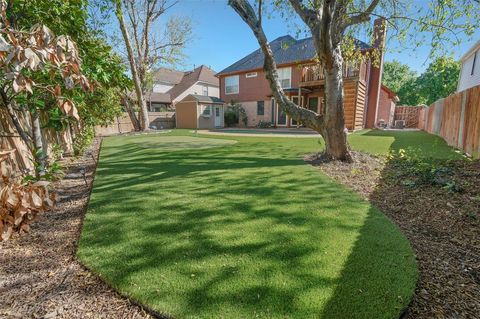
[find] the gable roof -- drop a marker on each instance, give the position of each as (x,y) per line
(392,95)
(168,76)
(285,50)
(202,73)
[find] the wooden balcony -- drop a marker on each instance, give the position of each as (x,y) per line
(312,74)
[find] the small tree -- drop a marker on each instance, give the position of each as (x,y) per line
(331,24)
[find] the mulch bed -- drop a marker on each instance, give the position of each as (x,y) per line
(443,227)
(39,275)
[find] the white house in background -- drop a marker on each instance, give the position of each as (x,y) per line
(470,71)
(171,86)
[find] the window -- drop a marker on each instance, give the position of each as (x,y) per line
(231,84)
(217,111)
(473,64)
(206,111)
(285,76)
(251,75)
(205,90)
(313,104)
(260,108)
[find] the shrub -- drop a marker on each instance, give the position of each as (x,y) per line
(234,114)
(20,203)
(414,171)
(83,140)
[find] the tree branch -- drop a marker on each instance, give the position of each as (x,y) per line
(305,116)
(362,16)
(308,15)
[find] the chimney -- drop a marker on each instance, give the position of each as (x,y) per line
(376,71)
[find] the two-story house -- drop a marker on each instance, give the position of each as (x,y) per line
(470,70)
(303,81)
(171,86)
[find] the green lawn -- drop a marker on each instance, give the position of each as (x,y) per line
(241,227)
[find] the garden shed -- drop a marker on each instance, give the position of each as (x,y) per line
(199,112)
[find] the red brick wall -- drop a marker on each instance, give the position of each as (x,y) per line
(386,108)
(254,89)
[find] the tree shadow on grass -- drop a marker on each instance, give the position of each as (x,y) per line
(252,235)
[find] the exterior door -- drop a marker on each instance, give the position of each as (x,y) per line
(218,116)
(313,104)
(295,100)
(281,117)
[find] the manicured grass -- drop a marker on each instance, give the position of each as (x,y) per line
(197,227)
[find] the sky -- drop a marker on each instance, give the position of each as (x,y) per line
(221,38)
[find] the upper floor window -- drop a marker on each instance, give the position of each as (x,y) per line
(205,90)
(285,77)
(251,75)
(231,84)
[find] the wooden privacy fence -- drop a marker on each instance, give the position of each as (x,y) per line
(9,139)
(123,124)
(456,119)
(408,114)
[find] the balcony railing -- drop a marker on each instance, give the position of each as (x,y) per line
(314,72)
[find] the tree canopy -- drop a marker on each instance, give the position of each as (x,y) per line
(439,80)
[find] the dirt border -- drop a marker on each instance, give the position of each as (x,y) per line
(40,275)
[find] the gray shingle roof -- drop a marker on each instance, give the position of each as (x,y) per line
(207,99)
(285,50)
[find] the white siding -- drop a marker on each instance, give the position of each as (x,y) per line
(198,88)
(161,87)
(467,79)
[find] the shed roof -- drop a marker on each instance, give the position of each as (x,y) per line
(285,50)
(206,99)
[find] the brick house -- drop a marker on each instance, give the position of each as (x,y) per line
(302,80)
(386,107)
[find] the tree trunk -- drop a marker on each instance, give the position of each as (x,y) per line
(144,121)
(131,113)
(24,136)
(39,152)
(334,132)
(325,34)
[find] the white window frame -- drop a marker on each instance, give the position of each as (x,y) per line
(206,108)
(236,79)
(285,74)
(205,90)
(251,75)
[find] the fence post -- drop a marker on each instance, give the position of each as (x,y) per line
(461,129)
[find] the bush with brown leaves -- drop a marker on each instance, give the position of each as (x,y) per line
(20,203)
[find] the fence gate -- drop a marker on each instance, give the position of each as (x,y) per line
(408,114)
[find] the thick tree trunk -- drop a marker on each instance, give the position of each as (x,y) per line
(144,121)
(334,132)
(331,125)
